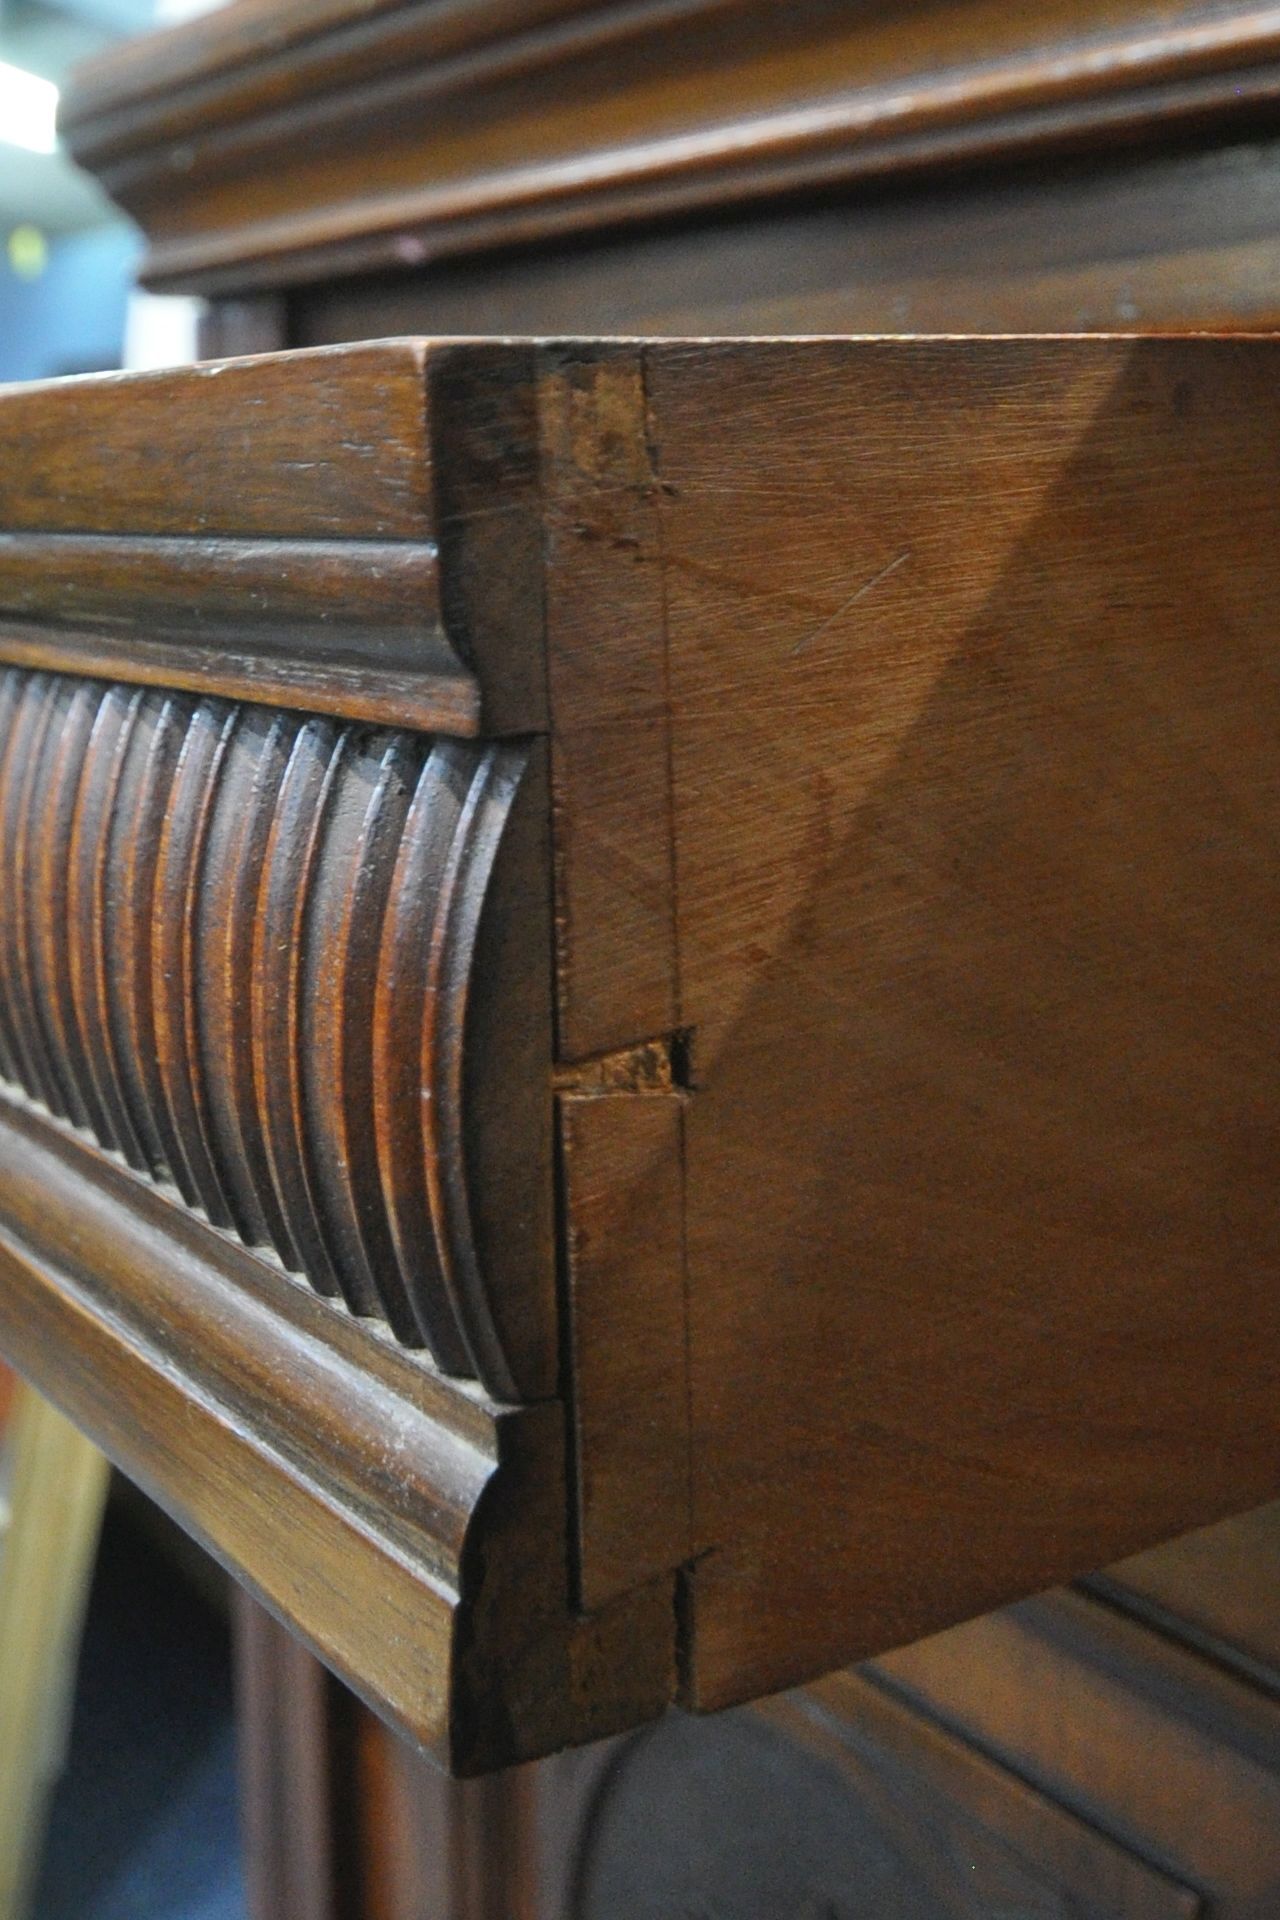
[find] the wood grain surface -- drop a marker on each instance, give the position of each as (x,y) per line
(280,529)
(336,444)
(975,809)
(627,1331)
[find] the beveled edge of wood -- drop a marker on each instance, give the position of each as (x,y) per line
(409,1529)
(246,89)
(248,1410)
(343,628)
(279,528)
(442,700)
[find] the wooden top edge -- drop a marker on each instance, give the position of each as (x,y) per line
(326,444)
(400,357)
(320,445)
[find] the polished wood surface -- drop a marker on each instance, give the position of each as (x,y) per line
(626,1325)
(281,529)
(276,1014)
(336,444)
(800,1103)
(914,1073)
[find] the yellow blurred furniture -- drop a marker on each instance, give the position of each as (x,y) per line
(53,1486)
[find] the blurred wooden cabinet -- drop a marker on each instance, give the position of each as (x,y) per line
(1088,1754)
(638,971)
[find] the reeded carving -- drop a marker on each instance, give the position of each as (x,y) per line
(234,947)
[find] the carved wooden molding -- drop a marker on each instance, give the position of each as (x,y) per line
(341,631)
(259,148)
(276,1004)
(410,1531)
(237,945)
(298,541)
(251,621)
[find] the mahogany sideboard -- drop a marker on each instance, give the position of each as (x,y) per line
(637,970)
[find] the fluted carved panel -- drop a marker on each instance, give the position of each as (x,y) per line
(235,946)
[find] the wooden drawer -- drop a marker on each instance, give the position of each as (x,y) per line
(636,987)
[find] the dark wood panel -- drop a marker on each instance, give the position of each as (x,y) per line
(1180,239)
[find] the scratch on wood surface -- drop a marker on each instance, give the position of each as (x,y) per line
(859,593)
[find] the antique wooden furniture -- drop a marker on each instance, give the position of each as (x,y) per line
(637,987)
(716,898)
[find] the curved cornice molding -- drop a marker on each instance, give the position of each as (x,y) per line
(255,148)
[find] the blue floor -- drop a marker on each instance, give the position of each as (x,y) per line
(144,1822)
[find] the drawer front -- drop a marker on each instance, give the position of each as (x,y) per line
(276,1091)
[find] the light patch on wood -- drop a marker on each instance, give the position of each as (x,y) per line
(654,1066)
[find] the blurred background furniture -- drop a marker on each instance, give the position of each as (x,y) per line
(53,1484)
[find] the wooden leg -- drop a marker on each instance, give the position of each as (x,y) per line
(298,1792)
(57,1484)
(343,1821)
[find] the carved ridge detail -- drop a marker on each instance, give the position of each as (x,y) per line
(235,947)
